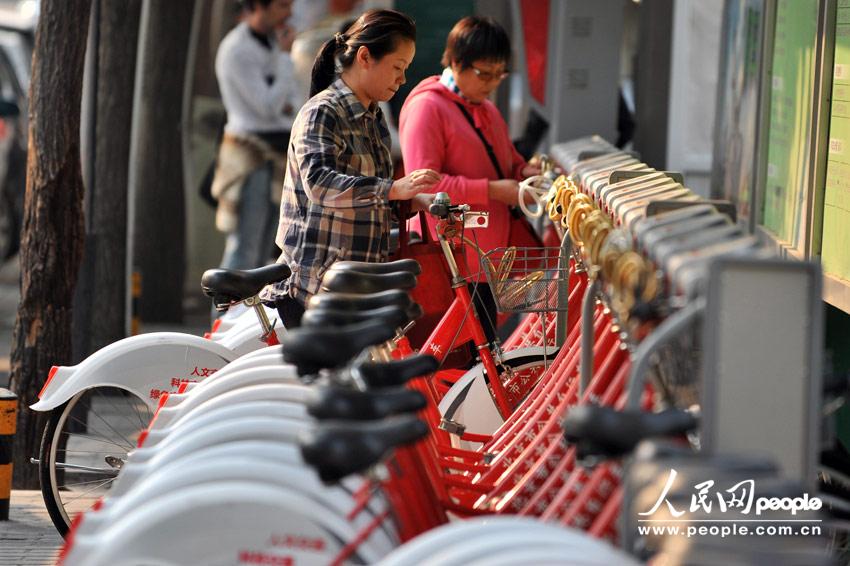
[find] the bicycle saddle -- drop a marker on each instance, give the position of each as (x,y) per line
(363,283)
(408,265)
(606,432)
(227,286)
(393,316)
(352,301)
(312,349)
(342,448)
(398,372)
(333,402)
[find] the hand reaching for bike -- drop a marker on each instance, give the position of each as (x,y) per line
(507,191)
(530,170)
(411,185)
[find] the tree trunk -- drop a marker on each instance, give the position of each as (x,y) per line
(101,291)
(52,238)
(159,233)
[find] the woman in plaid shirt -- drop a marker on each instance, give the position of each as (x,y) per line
(339,178)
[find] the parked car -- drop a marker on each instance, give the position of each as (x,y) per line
(16,46)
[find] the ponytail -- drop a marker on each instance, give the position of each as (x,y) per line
(377,30)
(324,68)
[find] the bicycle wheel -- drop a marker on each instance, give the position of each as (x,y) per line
(84,445)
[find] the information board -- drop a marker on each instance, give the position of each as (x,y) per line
(835,246)
(790,122)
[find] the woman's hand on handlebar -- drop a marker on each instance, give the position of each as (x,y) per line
(411,185)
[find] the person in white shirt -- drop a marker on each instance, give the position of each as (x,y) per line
(260,94)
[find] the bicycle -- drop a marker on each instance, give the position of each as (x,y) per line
(100,406)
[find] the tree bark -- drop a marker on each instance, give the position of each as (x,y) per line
(101,291)
(159,234)
(52,237)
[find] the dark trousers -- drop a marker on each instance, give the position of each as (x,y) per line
(290,311)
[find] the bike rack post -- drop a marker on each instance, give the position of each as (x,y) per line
(587,308)
(8,422)
(563,291)
(671,327)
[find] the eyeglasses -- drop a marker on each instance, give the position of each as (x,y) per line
(488,76)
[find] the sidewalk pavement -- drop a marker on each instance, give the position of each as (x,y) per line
(28,537)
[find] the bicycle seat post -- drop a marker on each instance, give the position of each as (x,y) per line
(268,327)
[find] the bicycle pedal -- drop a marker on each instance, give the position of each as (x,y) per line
(452,427)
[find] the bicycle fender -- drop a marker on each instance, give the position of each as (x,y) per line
(246,318)
(147,365)
(469,401)
(244,339)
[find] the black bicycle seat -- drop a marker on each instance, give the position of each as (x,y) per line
(605,432)
(408,265)
(395,373)
(352,301)
(363,283)
(332,402)
(394,316)
(312,349)
(227,286)
(339,449)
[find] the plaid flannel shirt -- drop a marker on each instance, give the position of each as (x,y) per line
(335,201)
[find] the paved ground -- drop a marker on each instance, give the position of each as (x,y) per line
(28,538)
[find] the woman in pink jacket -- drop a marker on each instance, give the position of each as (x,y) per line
(448,124)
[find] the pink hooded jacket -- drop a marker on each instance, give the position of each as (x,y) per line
(435,135)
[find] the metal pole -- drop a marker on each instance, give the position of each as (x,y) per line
(670,328)
(563,291)
(587,308)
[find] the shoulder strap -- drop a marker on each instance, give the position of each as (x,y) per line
(487,145)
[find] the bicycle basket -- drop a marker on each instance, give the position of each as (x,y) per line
(527,279)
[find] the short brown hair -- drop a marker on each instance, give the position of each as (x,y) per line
(476,38)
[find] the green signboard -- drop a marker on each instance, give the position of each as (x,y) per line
(835,247)
(790,126)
